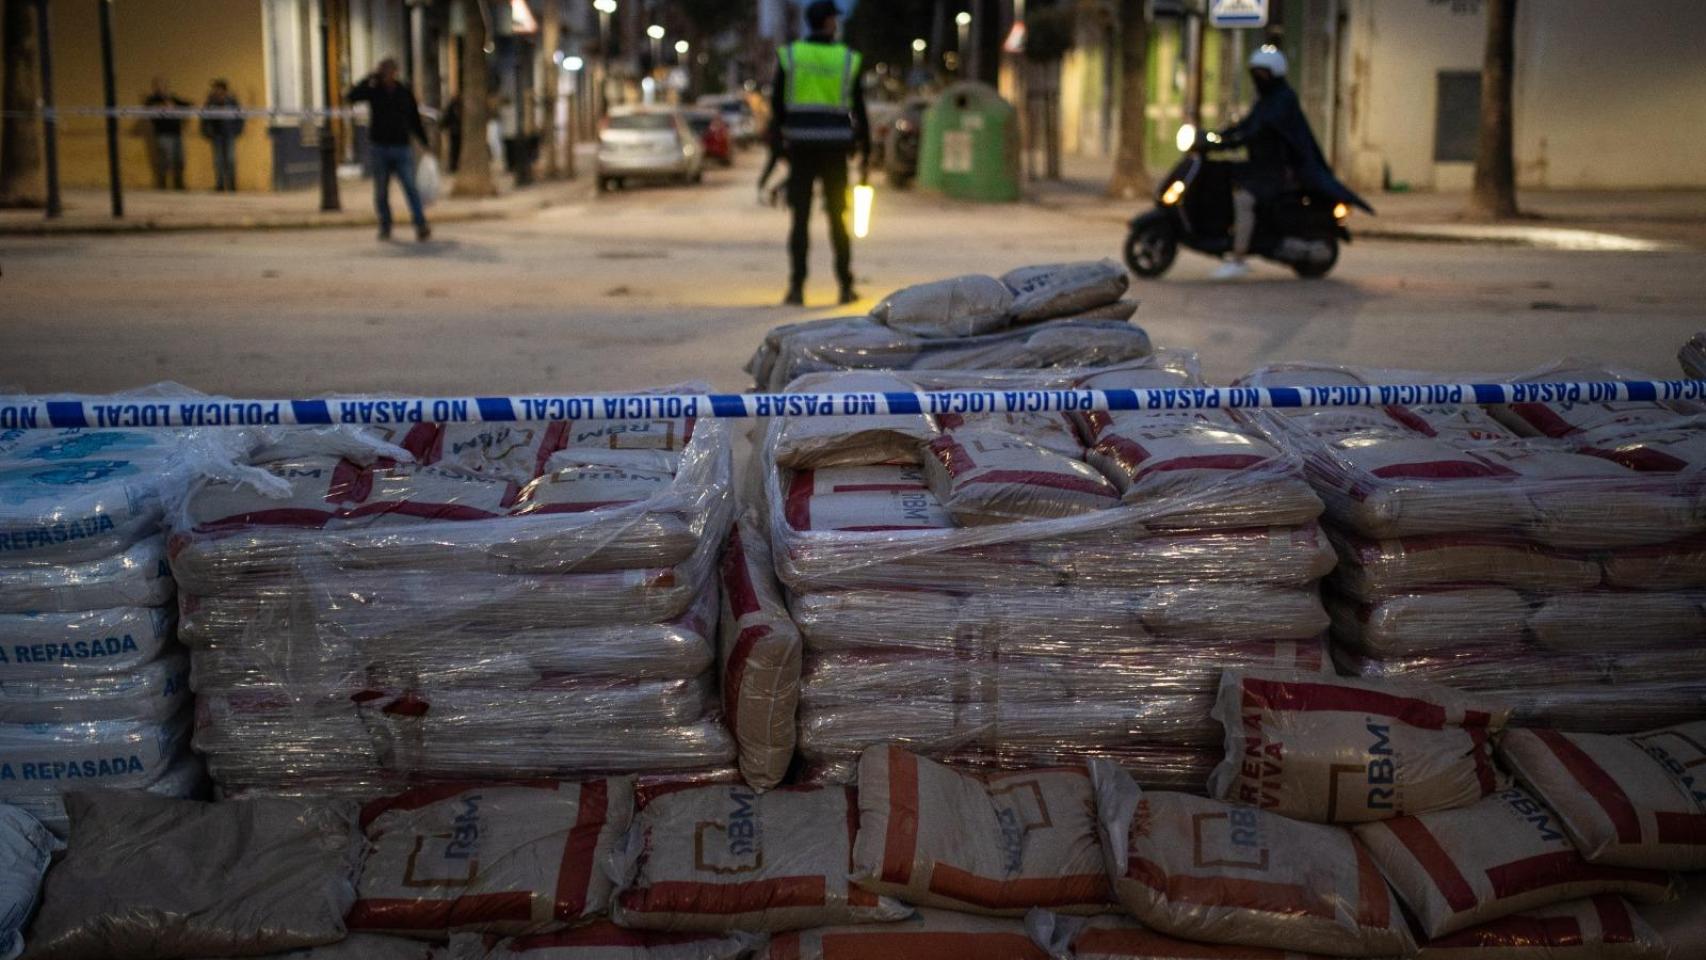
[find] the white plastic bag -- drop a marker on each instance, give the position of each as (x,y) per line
(428,182)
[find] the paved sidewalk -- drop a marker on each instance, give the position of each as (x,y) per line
(89,210)
(1628,220)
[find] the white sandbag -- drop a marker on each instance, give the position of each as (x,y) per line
(1409,623)
(83,643)
(1398,485)
(149,878)
(26,847)
(803,442)
(1681,923)
(137,577)
(603,940)
(759,650)
(1374,567)
(185,779)
(1599,928)
(365,946)
(1232,611)
(1281,556)
(1630,801)
(1051,431)
(71,511)
(516,451)
(867,512)
(1678,451)
(842,619)
(1600,620)
(999,844)
(872,478)
(986,477)
(1110,937)
(39,759)
(62,445)
(1332,750)
(1205,870)
(927,935)
(957,307)
(723,857)
(663,434)
(1457,869)
(153,692)
(1565,419)
(1205,473)
(514,859)
(1056,290)
(1679,565)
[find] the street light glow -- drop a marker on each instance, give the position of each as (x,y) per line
(655,32)
(963,18)
(918,45)
(604,6)
(573,64)
(681,47)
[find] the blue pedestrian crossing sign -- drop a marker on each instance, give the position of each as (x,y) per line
(1238,13)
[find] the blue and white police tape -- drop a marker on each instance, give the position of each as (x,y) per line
(202,411)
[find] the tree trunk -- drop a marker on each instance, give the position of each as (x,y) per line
(550,78)
(20,89)
(474,167)
(1131,174)
(1495,166)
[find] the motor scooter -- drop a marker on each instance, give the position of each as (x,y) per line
(1193,208)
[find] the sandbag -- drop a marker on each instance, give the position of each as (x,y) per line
(184,779)
(365,946)
(1121,938)
(1564,419)
(760,651)
(72,511)
(82,643)
(1370,568)
(40,758)
(514,451)
(1457,869)
(1053,432)
(870,478)
(136,577)
(957,307)
(1292,556)
(1599,928)
(149,878)
(26,847)
(928,935)
(843,619)
(804,442)
(990,477)
(998,843)
(1154,459)
(1232,611)
(501,859)
(1681,923)
(1601,620)
(1047,291)
(1201,869)
(723,857)
(1408,623)
(1679,565)
(1631,801)
(154,692)
(1331,750)
(603,940)
(867,512)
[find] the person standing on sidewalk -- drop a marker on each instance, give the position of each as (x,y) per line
(818,119)
(168,136)
(394,120)
(222,134)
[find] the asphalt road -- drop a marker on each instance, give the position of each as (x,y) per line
(667,284)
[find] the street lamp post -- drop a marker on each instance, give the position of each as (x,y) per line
(49,119)
(329,202)
(605,9)
(681,62)
(962,23)
(918,47)
(109,86)
(656,32)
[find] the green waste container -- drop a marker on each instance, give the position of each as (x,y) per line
(971,145)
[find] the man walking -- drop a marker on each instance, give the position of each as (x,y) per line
(818,109)
(222,134)
(394,119)
(168,136)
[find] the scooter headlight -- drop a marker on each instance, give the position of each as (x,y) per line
(1174,191)
(1341,212)
(1186,138)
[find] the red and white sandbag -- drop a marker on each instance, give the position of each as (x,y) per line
(1110,937)
(512,858)
(1051,431)
(804,441)
(586,487)
(1601,620)
(983,476)
(1407,623)
(927,935)
(1231,611)
(517,451)
(1201,869)
(865,512)
(1399,485)
(603,940)
(759,650)
(867,478)
(1457,869)
(995,843)
(1154,458)
(1626,801)
(1604,927)
(1681,923)
(724,857)
(1372,567)
(661,434)
(1565,419)
(1337,750)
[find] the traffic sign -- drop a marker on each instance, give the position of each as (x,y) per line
(1238,13)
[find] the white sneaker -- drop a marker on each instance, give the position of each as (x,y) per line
(1232,270)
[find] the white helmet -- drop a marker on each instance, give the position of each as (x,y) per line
(1270,58)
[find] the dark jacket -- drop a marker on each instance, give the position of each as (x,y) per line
(167,126)
(779,109)
(1280,143)
(394,117)
(220,128)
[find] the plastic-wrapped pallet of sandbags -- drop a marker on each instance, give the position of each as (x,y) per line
(1534,552)
(94,690)
(983,589)
(523,599)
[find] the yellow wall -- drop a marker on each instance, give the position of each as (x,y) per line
(189,42)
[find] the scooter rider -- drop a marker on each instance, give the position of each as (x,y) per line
(1281,147)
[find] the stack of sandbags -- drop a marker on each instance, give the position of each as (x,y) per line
(1058,315)
(94,689)
(525,599)
(1023,589)
(1547,552)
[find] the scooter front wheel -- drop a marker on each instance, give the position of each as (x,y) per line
(1151,247)
(1316,269)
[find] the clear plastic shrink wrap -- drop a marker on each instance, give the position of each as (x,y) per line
(1546,553)
(94,690)
(981,588)
(533,599)
(1059,315)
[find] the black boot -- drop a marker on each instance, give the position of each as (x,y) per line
(848,294)
(796,295)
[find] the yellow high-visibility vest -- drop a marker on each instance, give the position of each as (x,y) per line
(819,91)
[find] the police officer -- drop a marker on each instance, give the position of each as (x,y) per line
(819,119)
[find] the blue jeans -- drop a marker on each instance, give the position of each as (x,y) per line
(401,161)
(168,161)
(224,162)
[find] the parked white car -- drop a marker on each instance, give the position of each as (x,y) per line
(648,145)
